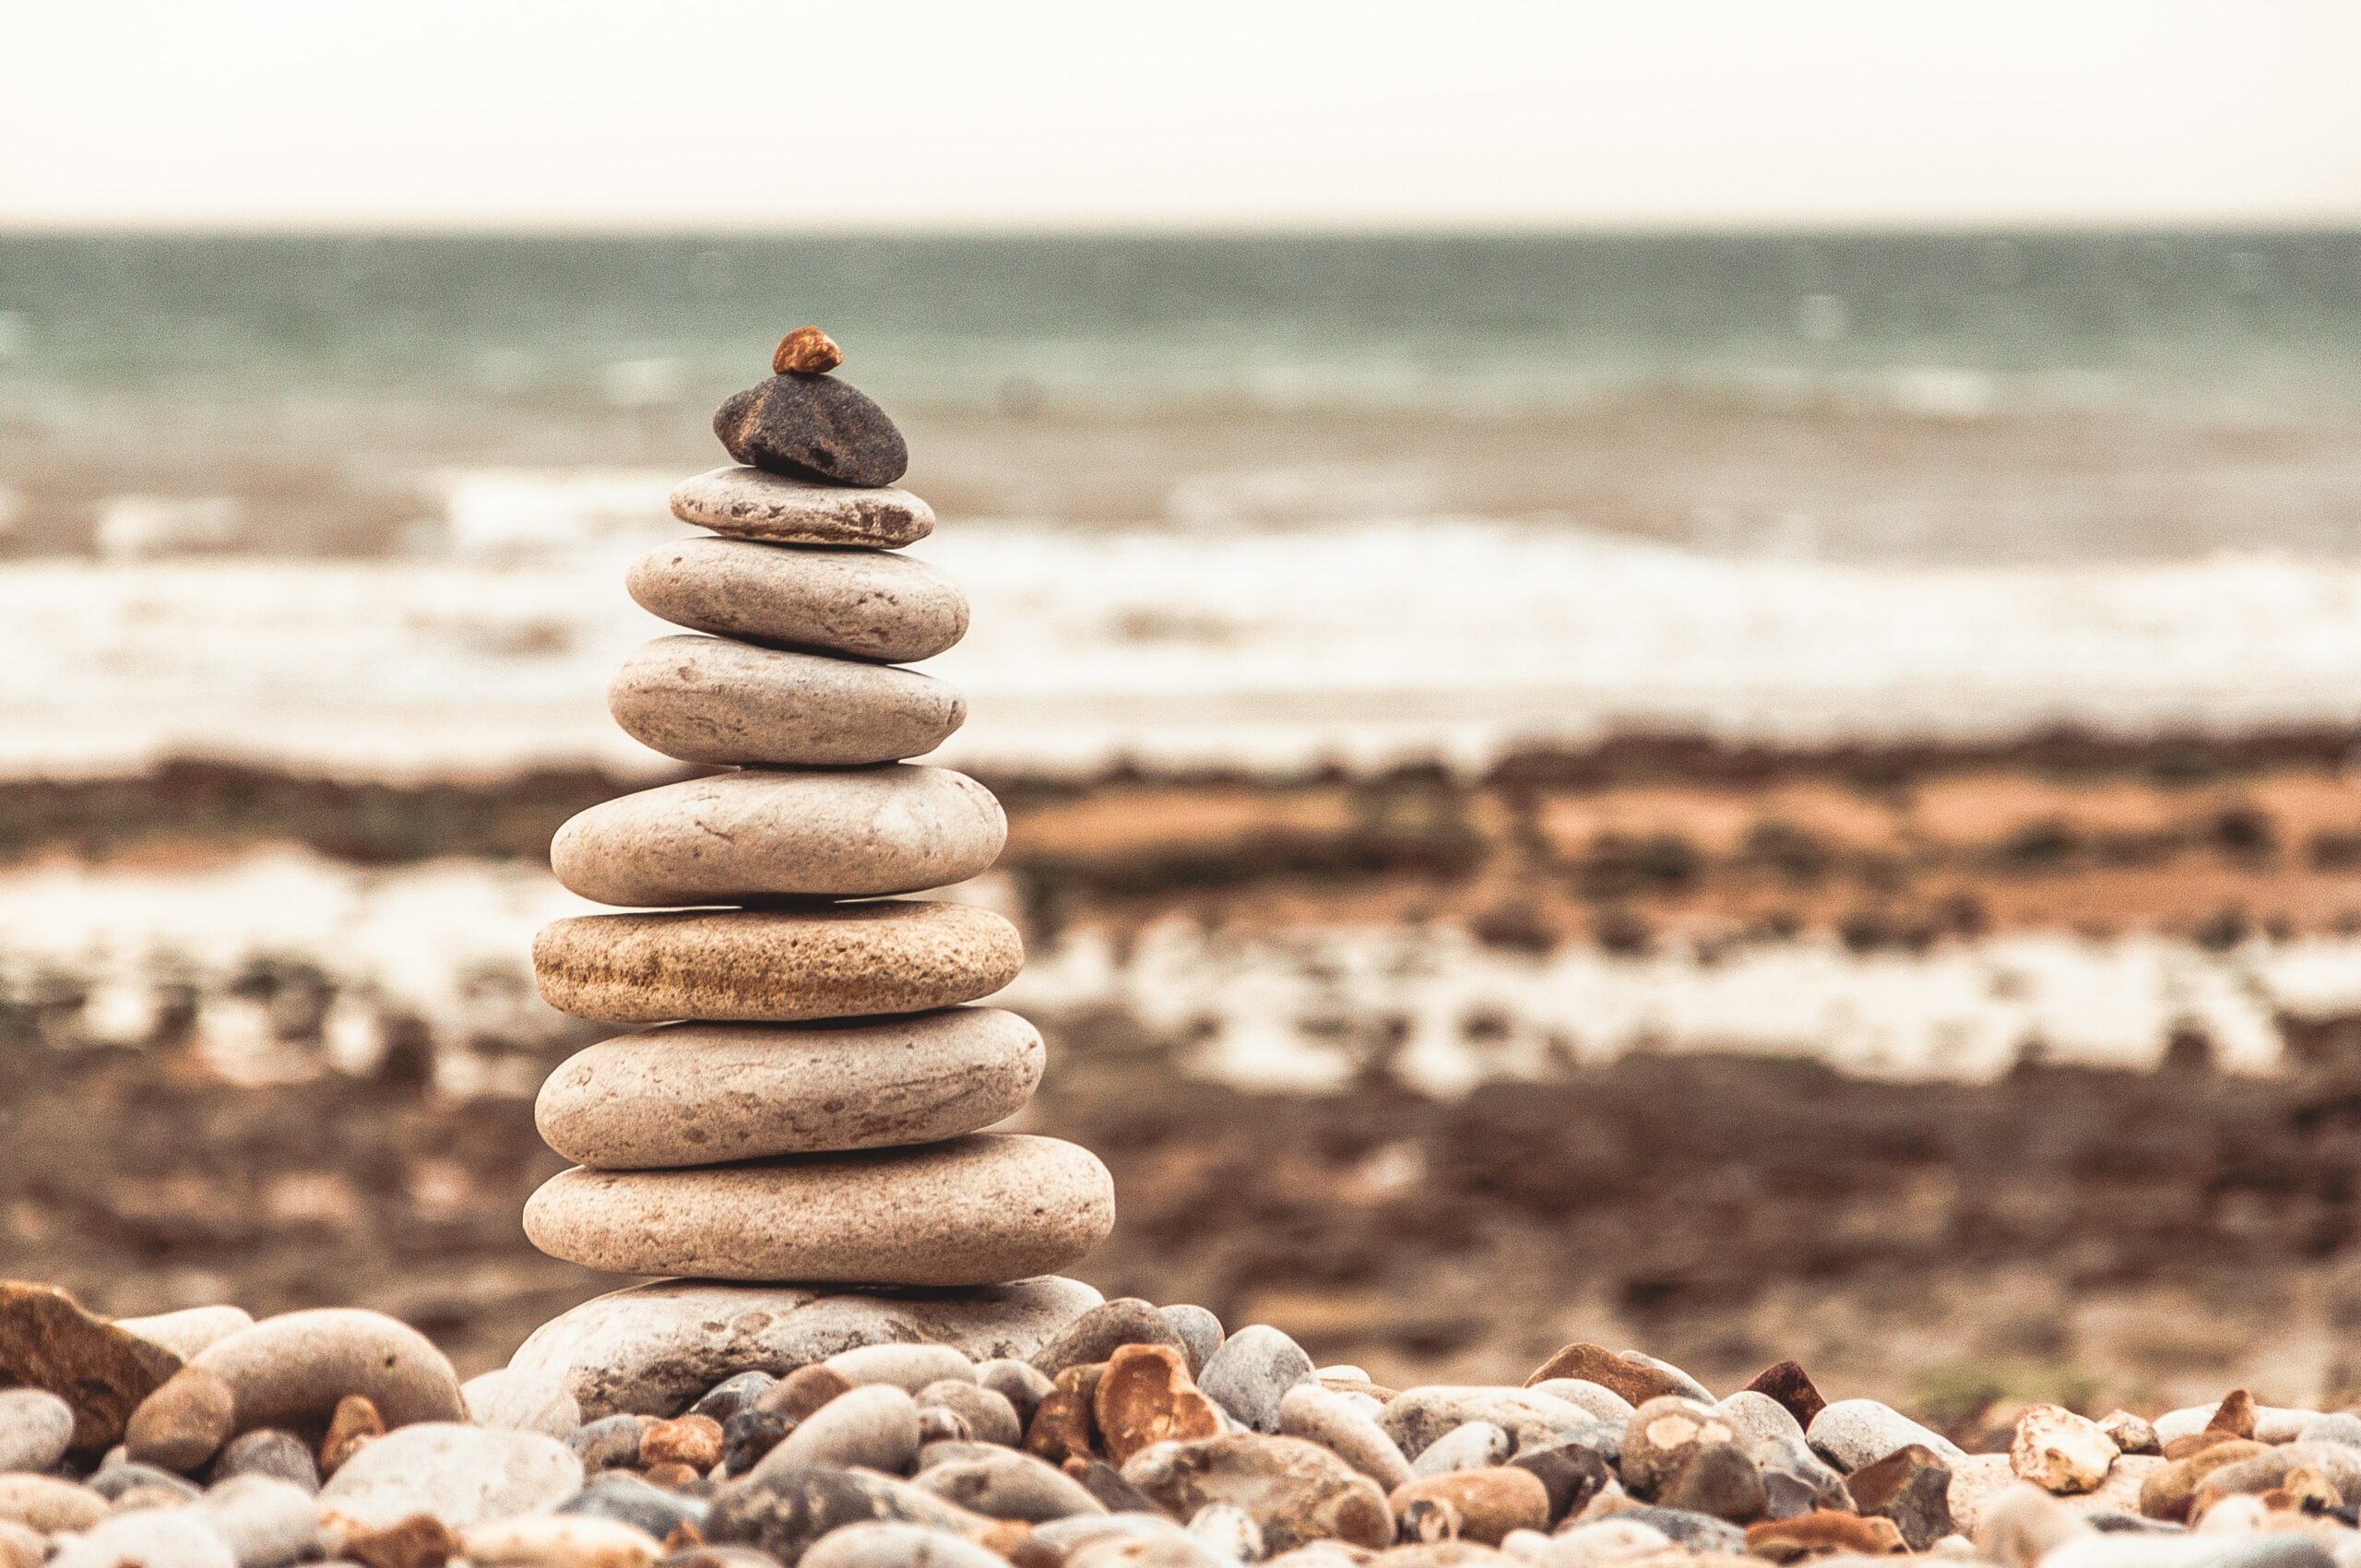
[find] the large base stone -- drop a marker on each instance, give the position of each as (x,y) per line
(651,1349)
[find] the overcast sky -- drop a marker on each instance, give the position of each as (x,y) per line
(1205,112)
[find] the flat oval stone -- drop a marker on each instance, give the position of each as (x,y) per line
(812,427)
(862,602)
(981,1210)
(775,965)
(710,700)
(746,503)
(704,1094)
(740,838)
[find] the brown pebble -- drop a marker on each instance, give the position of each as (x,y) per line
(803,1391)
(1146,1395)
(420,1541)
(1822,1531)
(1063,1427)
(1634,1381)
(672,1475)
(1486,1504)
(1787,1382)
(353,1427)
(2197,1443)
(2235,1414)
(694,1441)
(807,350)
(685,1536)
(2169,1490)
(182,1424)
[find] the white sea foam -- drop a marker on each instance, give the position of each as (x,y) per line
(1270,646)
(446,942)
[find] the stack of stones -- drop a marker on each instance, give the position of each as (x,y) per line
(811,1106)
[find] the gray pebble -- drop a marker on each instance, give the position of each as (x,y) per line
(1096,1333)
(988,1416)
(1201,1333)
(907,1367)
(1251,1372)
(2338,1427)
(112,1481)
(1010,1485)
(893,1545)
(462,1474)
(1343,1424)
(1855,1433)
(265,1523)
(1062,1536)
(1696,1532)
(155,1538)
(750,1434)
(36,1427)
(1760,1420)
(611,1444)
(875,1427)
(269,1451)
(1417,1417)
(1472,1445)
(518,1399)
(1595,1397)
(634,1502)
(1019,1382)
(730,1396)
(955,1452)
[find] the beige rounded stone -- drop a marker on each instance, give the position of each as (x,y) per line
(704,1094)
(981,1210)
(710,700)
(742,837)
(861,602)
(775,965)
(750,502)
(293,1369)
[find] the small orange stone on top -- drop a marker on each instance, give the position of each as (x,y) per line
(807,350)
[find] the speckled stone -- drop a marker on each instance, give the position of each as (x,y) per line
(737,837)
(711,700)
(862,602)
(649,1348)
(775,965)
(978,1210)
(702,1094)
(812,427)
(746,503)
(290,1370)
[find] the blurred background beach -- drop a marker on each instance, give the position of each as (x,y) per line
(1760,782)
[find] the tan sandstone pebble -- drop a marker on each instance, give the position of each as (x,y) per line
(563,1541)
(102,1371)
(987,1414)
(694,1441)
(707,1094)
(1146,1395)
(48,1505)
(352,1427)
(1064,1427)
(894,608)
(712,700)
(189,1330)
(1661,1436)
(761,833)
(1003,1483)
(1822,1531)
(978,1210)
(1487,1504)
(290,1371)
(22,1546)
(2059,1451)
(2170,1489)
(420,1541)
(1635,1378)
(804,1392)
(183,1424)
(807,350)
(907,1367)
(775,965)
(1346,1428)
(1295,1492)
(750,502)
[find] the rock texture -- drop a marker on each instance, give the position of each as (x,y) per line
(812,427)
(862,602)
(973,1211)
(746,503)
(700,1094)
(712,700)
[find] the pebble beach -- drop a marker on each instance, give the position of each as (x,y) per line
(1038,1425)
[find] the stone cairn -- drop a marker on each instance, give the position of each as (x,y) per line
(810,1108)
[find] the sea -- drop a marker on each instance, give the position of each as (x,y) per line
(361,505)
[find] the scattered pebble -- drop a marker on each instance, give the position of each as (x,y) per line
(807,350)
(36,1428)
(1251,1372)
(462,1474)
(515,1399)
(2059,1451)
